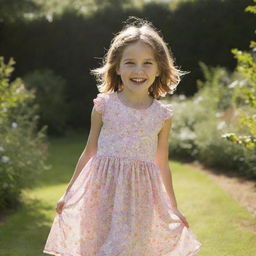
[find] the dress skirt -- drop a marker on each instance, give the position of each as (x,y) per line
(118,206)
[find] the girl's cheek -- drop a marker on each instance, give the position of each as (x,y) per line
(125,71)
(149,69)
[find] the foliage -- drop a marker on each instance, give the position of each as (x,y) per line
(85,7)
(251,8)
(13,10)
(22,147)
(200,121)
(244,94)
(10,94)
(49,89)
(187,113)
(70,44)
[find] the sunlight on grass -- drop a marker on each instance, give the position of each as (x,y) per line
(214,217)
(213,214)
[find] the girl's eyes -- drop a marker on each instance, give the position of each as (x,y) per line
(129,62)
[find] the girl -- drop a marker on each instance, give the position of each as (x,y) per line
(120,200)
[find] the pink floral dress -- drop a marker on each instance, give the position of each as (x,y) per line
(118,205)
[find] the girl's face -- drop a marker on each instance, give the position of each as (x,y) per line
(138,67)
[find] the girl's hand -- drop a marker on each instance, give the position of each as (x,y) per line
(181,216)
(59,206)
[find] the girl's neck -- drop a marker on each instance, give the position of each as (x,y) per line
(140,100)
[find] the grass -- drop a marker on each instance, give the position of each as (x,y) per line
(213,215)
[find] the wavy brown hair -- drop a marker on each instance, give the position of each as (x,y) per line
(139,30)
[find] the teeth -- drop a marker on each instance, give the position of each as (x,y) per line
(138,79)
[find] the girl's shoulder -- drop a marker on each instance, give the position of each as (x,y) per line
(166,109)
(100,101)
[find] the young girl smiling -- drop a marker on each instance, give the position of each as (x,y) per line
(120,200)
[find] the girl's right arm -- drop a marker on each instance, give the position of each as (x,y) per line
(90,148)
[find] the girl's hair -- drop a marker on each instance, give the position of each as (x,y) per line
(139,30)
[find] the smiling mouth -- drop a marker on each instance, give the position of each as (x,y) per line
(138,80)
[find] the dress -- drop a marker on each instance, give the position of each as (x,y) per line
(118,205)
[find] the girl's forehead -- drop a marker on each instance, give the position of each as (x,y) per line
(137,50)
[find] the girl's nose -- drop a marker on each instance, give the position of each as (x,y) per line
(139,69)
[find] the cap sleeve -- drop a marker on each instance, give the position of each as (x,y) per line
(99,102)
(167,111)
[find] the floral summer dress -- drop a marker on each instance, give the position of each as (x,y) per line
(118,205)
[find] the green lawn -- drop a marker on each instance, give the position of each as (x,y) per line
(213,215)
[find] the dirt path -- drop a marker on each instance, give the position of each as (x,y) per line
(242,190)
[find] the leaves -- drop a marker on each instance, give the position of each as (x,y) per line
(13,93)
(245,95)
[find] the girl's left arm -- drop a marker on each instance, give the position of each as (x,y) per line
(162,159)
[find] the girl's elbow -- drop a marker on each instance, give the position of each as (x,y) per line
(90,150)
(162,162)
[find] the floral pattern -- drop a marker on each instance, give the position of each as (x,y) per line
(118,205)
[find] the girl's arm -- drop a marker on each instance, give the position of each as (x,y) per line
(90,148)
(163,161)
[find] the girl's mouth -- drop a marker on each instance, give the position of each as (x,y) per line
(138,81)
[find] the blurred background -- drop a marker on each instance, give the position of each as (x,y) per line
(47,49)
(55,44)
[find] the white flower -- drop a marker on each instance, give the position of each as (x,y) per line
(49,17)
(14,125)
(227,135)
(243,82)
(221,125)
(238,83)
(198,99)
(2,149)
(5,159)
(186,134)
(182,97)
(233,84)
(219,114)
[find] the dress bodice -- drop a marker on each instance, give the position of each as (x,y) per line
(129,132)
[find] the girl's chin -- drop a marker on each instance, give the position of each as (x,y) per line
(138,83)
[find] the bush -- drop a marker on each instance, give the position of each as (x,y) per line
(49,91)
(200,122)
(183,133)
(23,149)
(71,44)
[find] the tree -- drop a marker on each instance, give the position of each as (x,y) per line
(11,10)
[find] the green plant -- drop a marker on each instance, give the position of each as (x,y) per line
(49,92)
(200,121)
(22,148)
(244,94)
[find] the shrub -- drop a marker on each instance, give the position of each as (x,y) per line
(23,150)
(49,91)
(183,133)
(200,122)
(244,94)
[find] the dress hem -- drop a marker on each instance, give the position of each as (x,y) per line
(196,250)
(55,253)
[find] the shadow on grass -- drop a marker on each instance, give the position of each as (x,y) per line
(215,169)
(25,232)
(64,153)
